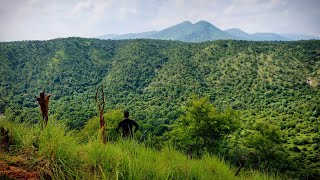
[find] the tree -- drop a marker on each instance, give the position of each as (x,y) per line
(201,127)
(260,147)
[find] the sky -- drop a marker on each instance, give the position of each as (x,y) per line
(48,19)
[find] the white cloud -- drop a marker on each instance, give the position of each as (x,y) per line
(254,7)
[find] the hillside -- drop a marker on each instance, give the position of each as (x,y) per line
(264,81)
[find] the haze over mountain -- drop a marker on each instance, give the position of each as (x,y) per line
(205,31)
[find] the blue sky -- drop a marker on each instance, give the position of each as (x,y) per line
(48,19)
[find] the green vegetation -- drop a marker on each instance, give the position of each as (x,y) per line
(202,127)
(261,99)
(58,154)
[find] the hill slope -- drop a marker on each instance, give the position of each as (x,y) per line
(237,74)
(276,82)
(136,71)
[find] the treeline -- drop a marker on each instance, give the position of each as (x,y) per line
(272,87)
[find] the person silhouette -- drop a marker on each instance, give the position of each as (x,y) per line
(126,125)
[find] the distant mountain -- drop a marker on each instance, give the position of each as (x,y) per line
(239,33)
(269,37)
(256,36)
(198,32)
(299,36)
(185,31)
(142,35)
(205,31)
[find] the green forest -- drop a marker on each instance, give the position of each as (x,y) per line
(246,105)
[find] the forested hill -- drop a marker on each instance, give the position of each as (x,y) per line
(275,82)
(153,78)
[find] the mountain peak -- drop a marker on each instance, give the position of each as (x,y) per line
(203,22)
(186,22)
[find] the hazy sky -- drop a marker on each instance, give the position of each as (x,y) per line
(47,19)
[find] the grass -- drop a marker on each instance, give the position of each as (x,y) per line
(59,154)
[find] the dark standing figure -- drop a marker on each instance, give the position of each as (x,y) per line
(126,126)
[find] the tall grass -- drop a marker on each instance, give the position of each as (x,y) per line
(60,155)
(22,135)
(127,159)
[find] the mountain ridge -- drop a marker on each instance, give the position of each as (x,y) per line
(186,31)
(205,31)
